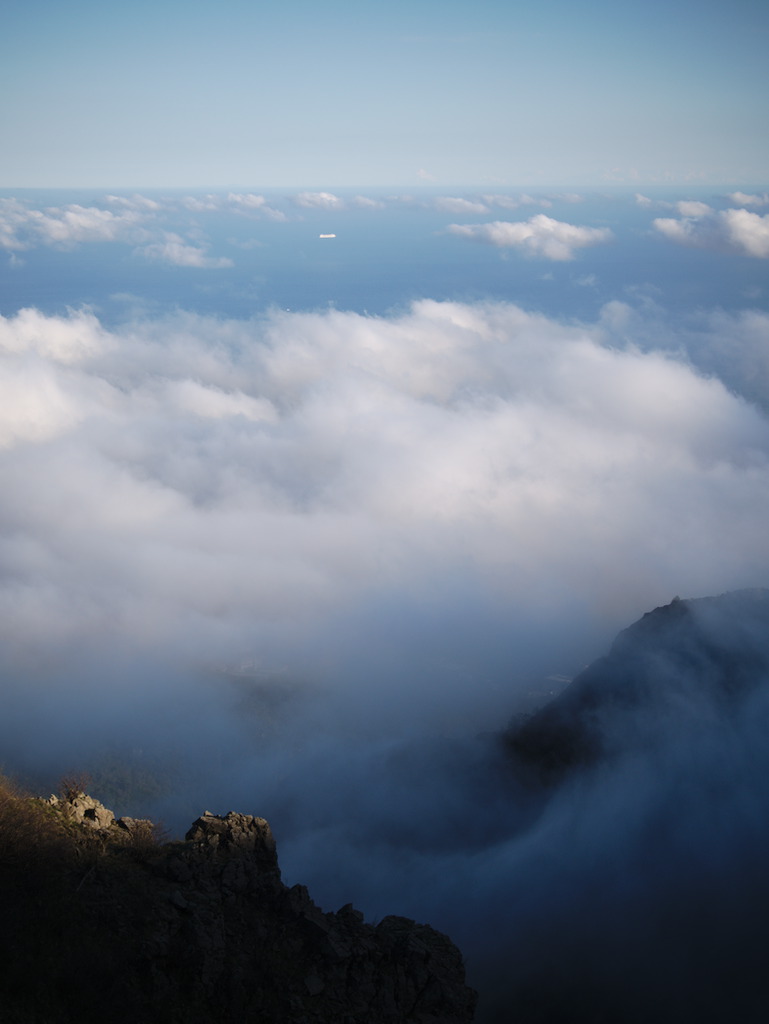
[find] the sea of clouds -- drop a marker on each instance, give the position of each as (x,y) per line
(299,565)
(208,485)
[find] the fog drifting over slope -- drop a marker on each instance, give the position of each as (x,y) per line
(268,554)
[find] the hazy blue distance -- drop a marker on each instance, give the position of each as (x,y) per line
(170,93)
(381,259)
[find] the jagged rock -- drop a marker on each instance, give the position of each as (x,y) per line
(236,835)
(136,828)
(84,809)
(204,929)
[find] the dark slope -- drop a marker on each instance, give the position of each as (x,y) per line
(679,665)
(642,891)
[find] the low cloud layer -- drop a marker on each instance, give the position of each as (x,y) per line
(539,236)
(230,477)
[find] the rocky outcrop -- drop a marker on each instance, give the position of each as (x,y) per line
(83,809)
(205,930)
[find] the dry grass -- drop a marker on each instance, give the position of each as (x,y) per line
(29,833)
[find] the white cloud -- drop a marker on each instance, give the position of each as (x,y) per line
(250,203)
(664,204)
(455,204)
(210,402)
(319,201)
(83,224)
(22,227)
(239,479)
(540,235)
(702,227)
(248,200)
(685,231)
(747,231)
(693,208)
(174,250)
(134,202)
(201,204)
(41,392)
(13,220)
(745,199)
(67,339)
(366,203)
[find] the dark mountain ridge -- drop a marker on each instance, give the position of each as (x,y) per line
(651,837)
(679,662)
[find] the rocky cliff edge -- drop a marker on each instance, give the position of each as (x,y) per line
(205,930)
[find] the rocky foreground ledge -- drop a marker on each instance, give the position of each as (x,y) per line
(205,930)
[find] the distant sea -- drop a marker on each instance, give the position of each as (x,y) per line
(390,249)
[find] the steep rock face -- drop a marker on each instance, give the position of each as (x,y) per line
(688,659)
(205,930)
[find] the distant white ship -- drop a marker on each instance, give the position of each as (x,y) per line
(326,236)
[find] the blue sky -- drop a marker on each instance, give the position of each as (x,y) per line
(197,94)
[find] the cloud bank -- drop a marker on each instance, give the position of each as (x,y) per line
(301,465)
(539,236)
